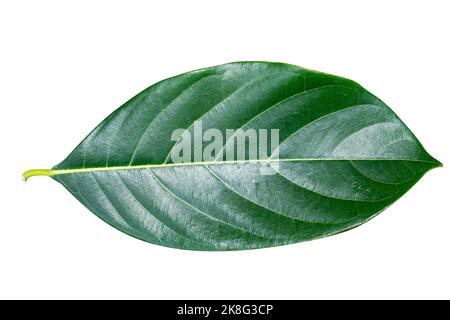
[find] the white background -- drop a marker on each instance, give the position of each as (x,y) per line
(64,66)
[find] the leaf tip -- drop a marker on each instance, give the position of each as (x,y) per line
(437,163)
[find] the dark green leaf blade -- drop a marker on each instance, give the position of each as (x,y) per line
(344,157)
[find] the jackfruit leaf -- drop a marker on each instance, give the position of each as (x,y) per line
(343,157)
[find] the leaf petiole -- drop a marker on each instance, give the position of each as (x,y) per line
(37,172)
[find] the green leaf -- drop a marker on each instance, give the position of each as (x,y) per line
(344,156)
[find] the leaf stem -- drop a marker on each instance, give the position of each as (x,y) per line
(37,172)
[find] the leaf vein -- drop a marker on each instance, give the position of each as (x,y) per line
(162,111)
(261,206)
(202,212)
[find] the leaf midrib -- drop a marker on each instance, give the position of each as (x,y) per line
(54,172)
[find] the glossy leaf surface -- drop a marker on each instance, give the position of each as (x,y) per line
(344,156)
